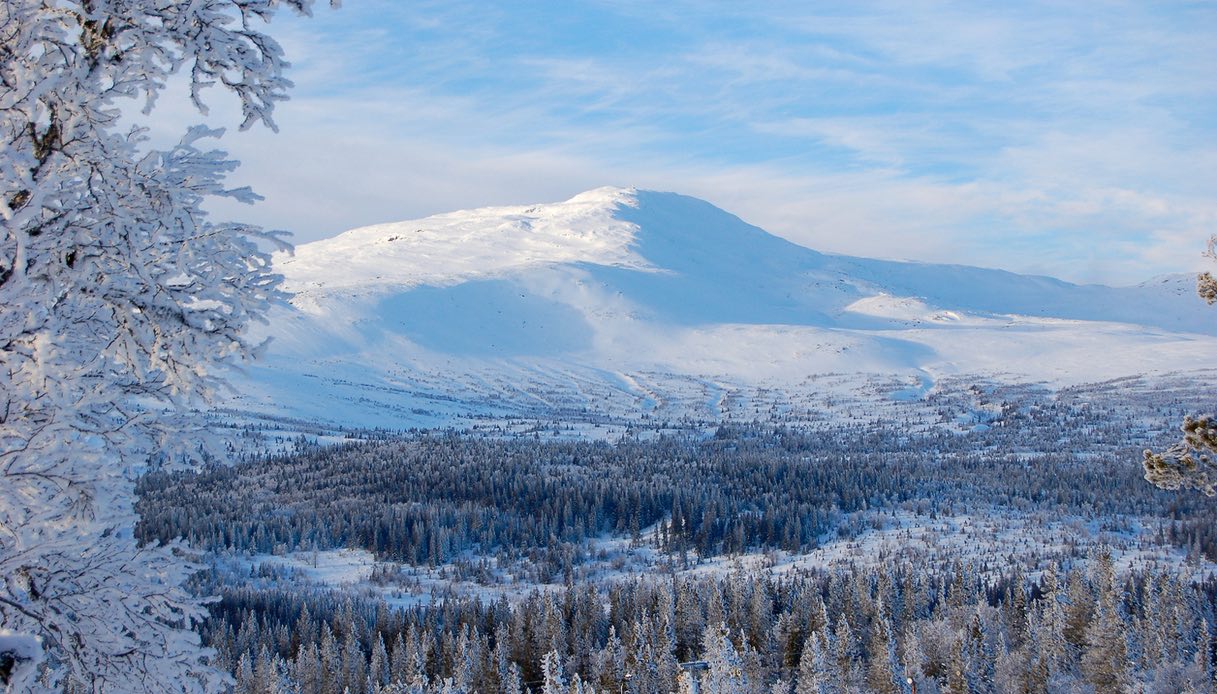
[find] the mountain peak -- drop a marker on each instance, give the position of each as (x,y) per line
(454,247)
(608,195)
(592,294)
(680,260)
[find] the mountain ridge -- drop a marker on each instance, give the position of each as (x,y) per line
(619,282)
(661,234)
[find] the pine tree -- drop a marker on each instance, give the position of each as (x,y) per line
(957,669)
(1150,636)
(1105,658)
(378,666)
(399,661)
(304,629)
(614,661)
(306,669)
(551,669)
(818,671)
(979,654)
(245,676)
(760,618)
(552,634)
(465,657)
(1052,650)
(725,671)
(510,683)
(1079,609)
(1204,651)
(912,657)
(267,679)
(787,639)
(847,654)
(330,681)
(354,663)
(883,669)
(418,648)
(689,622)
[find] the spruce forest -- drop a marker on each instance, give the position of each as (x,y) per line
(1024,555)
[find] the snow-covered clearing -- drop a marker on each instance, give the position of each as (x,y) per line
(989,544)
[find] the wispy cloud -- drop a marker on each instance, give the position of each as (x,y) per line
(1045,137)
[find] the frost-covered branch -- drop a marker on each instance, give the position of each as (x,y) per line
(1188,464)
(120,302)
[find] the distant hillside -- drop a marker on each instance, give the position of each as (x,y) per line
(575,303)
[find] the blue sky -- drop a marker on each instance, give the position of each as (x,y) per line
(1072,139)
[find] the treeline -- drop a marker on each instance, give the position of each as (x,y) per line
(845,631)
(428,499)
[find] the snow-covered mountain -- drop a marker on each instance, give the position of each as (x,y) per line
(626,301)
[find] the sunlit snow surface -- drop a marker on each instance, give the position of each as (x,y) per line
(621,304)
(999,540)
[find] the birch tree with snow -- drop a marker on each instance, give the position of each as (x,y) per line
(120,306)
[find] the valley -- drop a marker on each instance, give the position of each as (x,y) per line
(467,427)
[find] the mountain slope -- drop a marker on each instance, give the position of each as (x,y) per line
(515,309)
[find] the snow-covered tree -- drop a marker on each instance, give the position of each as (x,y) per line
(725,671)
(818,672)
(1105,658)
(883,666)
(510,683)
(1191,463)
(245,676)
(555,678)
(1206,284)
(120,305)
(378,665)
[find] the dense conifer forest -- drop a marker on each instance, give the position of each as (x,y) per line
(431,499)
(864,630)
(1031,618)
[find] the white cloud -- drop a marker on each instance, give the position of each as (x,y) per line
(1075,141)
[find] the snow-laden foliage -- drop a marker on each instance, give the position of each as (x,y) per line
(725,670)
(120,302)
(1206,284)
(1189,464)
(744,632)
